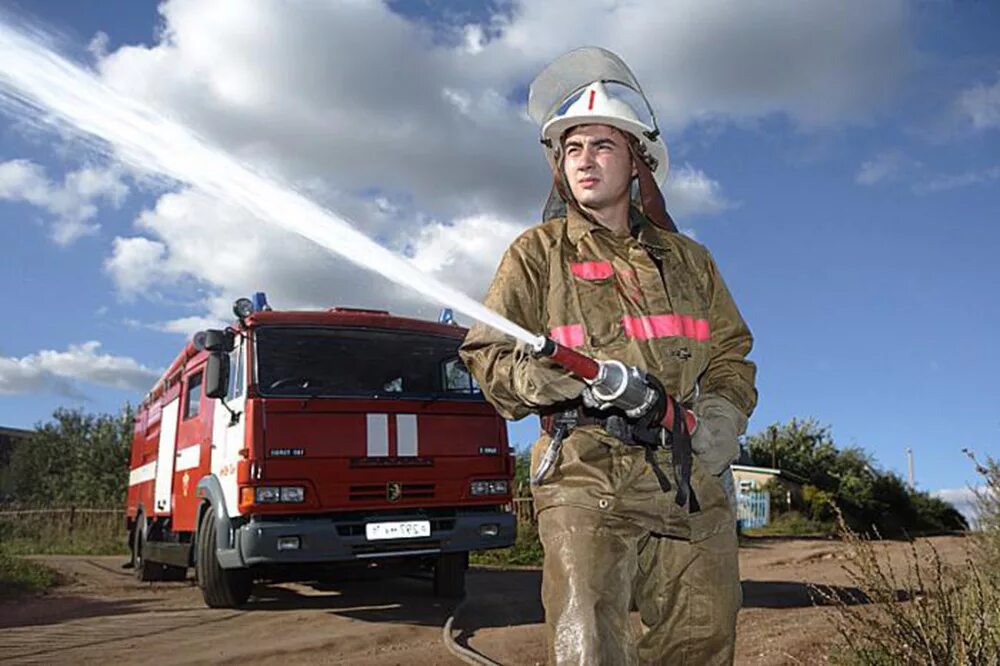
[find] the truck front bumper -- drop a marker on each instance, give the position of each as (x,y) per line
(332,539)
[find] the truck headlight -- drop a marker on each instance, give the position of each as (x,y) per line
(293,494)
(266,494)
(490,487)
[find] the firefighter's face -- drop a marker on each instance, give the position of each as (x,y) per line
(598,165)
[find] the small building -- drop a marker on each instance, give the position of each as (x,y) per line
(750,478)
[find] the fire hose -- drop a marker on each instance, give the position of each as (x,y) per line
(467,655)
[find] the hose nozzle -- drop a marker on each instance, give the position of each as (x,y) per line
(611,382)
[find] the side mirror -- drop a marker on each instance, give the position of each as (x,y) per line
(217,375)
(214,340)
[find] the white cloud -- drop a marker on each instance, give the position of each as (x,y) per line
(981,104)
(945,182)
(963,499)
(818,63)
(370,100)
(187,326)
(136,264)
(465,252)
(885,167)
(60,370)
(690,191)
(73,204)
(214,253)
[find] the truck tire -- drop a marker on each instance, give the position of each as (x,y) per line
(145,571)
(221,588)
(449,575)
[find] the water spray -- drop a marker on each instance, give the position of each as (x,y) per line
(43,88)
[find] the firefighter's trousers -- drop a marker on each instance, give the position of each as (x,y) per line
(597,564)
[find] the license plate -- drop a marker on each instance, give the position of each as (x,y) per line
(410,529)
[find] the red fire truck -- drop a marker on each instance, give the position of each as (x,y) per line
(293,439)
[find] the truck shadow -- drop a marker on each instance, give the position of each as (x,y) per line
(500,598)
(42,611)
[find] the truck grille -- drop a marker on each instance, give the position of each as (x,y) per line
(395,547)
(379,491)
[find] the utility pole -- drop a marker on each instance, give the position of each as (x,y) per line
(909,467)
(774,447)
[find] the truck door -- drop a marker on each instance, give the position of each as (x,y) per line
(165,456)
(227,436)
(193,432)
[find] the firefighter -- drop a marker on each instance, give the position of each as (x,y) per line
(622,524)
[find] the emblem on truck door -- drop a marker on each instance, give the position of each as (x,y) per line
(393,491)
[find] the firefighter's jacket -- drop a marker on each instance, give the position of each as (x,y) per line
(605,296)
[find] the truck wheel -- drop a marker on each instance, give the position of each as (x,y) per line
(145,571)
(449,575)
(221,588)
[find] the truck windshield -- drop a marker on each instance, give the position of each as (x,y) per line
(304,361)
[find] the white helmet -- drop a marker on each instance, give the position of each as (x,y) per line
(596,107)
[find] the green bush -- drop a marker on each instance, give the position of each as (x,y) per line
(77,459)
(792,523)
(526,551)
(819,504)
(19,576)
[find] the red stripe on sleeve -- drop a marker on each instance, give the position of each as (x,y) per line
(570,335)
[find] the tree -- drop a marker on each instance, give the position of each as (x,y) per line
(76,459)
(849,478)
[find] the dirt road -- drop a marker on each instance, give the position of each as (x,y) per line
(102,615)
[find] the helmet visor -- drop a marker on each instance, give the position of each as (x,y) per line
(573,71)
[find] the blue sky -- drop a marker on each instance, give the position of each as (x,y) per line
(840,163)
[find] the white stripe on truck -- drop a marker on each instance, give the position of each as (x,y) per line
(142,473)
(188,457)
(378,435)
(406,434)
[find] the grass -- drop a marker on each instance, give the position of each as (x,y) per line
(921,611)
(20,577)
(792,523)
(63,532)
(526,551)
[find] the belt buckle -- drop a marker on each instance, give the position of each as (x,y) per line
(568,418)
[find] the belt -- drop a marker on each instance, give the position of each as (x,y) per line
(614,424)
(619,427)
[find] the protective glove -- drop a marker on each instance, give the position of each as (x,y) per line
(715,440)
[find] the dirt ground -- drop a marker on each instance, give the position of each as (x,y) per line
(103,615)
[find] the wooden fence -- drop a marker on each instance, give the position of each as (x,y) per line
(524,510)
(82,530)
